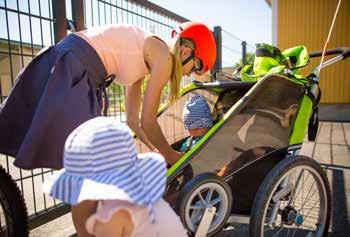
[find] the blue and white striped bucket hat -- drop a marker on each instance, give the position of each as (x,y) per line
(101,163)
(196,113)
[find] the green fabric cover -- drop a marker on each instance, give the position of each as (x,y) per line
(269,59)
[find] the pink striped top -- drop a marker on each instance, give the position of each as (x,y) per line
(167,223)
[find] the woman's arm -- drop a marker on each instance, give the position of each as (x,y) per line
(132,105)
(159,59)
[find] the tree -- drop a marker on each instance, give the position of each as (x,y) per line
(250,59)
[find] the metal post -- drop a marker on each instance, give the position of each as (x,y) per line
(78,14)
(218,40)
(60,19)
(244,52)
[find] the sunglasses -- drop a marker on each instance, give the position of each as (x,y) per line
(197,67)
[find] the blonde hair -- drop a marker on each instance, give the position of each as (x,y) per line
(176,73)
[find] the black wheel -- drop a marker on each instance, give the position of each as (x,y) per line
(13,210)
(293,200)
(203,191)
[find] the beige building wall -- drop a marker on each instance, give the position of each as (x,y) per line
(307,22)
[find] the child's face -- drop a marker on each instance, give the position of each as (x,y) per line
(198,132)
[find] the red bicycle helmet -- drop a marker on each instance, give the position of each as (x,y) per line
(203,39)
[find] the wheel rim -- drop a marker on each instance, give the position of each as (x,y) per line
(301,200)
(206,195)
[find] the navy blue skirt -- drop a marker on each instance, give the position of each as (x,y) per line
(58,90)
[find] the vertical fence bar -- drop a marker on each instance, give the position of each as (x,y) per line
(244,52)
(218,40)
(60,19)
(78,14)
(49,2)
(9,43)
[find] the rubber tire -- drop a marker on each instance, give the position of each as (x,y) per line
(13,205)
(191,186)
(269,182)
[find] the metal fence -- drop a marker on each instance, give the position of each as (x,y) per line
(233,50)
(29,25)
(26,27)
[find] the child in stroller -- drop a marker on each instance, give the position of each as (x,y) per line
(197,119)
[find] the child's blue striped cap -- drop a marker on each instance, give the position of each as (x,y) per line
(196,113)
(100,163)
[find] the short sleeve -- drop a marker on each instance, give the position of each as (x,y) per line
(105,210)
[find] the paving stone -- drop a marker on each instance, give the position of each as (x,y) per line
(324,135)
(338,136)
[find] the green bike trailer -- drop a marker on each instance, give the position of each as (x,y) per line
(247,140)
(248,155)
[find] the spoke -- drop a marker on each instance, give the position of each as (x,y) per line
(193,214)
(295,230)
(311,218)
(311,209)
(197,207)
(301,188)
(215,201)
(201,198)
(288,232)
(209,196)
(306,198)
(302,202)
(310,226)
(302,193)
(277,233)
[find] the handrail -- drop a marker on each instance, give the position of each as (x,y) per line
(344,51)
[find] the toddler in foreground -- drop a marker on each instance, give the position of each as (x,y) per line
(103,169)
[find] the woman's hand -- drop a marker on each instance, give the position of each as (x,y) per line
(173,157)
(155,150)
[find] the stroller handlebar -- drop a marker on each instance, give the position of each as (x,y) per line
(344,51)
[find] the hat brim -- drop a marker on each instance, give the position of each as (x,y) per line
(142,183)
